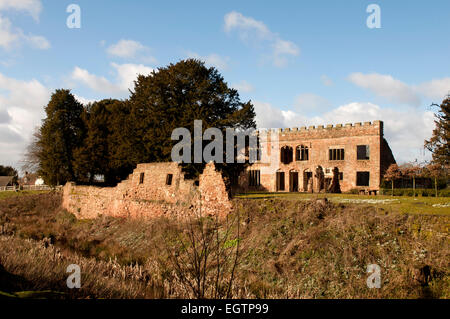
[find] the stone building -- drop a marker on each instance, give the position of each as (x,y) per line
(302,159)
(153,189)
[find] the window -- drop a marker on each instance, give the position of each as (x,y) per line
(141,178)
(169,179)
(336,154)
(327,171)
(362,178)
(362,152)
(341,176)
(301,153)
(286,155)
(254,178)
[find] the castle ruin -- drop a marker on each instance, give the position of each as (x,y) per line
(314,159)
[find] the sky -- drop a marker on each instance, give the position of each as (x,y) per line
(301,63)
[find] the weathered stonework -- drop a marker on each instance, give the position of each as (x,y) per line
(301,175)
(150,192)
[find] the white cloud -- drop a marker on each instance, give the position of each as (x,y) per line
(38,42)
(243,86)
(326,80)
(246,25)
(11,37)
(24,113)
(33,7)
(83,100)
(281,49)
(387,87)
(404,130)
(130,49)
(435,89)
(308,102)
(7,36)
(126,74)
(96,83)
(251,30)
(212,59)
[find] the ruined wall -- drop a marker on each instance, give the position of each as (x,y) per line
(319,140)
(146,193)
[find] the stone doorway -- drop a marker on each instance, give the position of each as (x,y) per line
(280,181)
(307,181)
(293,181)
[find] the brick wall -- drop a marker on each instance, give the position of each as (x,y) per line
(319,140)
(147,193)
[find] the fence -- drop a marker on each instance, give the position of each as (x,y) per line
(29,188)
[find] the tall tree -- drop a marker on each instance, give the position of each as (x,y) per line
(92,157)
(438,144)
(175,96)
(61,132)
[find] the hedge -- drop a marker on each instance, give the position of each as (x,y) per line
(427,192)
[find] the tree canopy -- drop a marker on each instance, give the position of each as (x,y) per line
(60,134)
(110,137)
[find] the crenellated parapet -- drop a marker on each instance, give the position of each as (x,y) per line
(330,130)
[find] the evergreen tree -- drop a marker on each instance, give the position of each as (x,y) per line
(175,96)
(61,132)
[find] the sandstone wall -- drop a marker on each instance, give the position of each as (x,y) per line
(147,193)
(319,140)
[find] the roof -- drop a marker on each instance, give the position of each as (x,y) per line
(29,179)
(5,180)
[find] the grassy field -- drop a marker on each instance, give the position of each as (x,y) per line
(8,194)
(393,204)
(289,246)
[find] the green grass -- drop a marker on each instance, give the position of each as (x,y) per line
(394,204)
(9,194)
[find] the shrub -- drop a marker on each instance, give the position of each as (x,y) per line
(444,192)
(425,192)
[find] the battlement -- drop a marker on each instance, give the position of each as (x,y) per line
(370,127)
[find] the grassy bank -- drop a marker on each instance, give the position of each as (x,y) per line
(288,247)
(392,204)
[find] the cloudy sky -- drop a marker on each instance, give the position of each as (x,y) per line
(300,62)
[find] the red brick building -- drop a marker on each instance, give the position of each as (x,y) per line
(291,158)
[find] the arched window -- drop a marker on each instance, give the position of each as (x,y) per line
(286,155)
(301,153)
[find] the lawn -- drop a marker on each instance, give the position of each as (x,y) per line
(8,194)
(395,204)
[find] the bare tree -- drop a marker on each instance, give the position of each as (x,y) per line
(30,161)
(204,254)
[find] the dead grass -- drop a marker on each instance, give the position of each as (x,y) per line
(288,249)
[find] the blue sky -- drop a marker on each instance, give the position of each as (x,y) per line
(300,62)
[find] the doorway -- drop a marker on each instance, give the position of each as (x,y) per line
(293,181)
(307,181)
(280,181)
